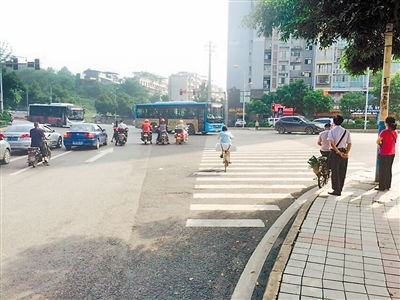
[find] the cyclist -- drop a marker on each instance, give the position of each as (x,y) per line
(225,139)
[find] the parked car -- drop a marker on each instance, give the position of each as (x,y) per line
(240,123)
(298,124)
(5,150)
(18,136)
(85,135)
(324,120)
(272,121)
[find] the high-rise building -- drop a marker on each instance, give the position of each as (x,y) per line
(182,86)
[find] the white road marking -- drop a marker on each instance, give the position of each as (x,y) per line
(261,168)
(251,186)
(242,196)
(99,155)
(233,207)
(243,160)
(310,173)
(272,163)
(27,168)
(18,158)
(263,179)
(224,223)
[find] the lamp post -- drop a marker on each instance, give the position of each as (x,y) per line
(366,100)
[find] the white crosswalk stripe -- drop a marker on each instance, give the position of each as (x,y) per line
(258,179)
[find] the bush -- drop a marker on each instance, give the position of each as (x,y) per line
(251,124)
(5,118)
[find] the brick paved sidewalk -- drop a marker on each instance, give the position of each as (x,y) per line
(348,247)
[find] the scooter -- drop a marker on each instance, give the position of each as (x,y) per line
(35,156)
(163,138)
(147,137)
(121,137)
(180,137)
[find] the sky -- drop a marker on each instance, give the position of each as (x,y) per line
(123,36)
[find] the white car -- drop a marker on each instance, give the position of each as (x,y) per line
(324,120)
(5,150)
(272,121)
(240,123)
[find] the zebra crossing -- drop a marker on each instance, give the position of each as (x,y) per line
(256,184)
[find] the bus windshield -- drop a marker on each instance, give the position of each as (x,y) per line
(76,114)
(215,113)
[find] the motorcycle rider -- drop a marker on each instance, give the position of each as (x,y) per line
(122,127)
(182,125)
(162,128)
(115,131)
(146,127)
(37,140)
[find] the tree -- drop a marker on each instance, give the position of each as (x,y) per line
(315,101)
(292,95)
(351,102)
(201,93)
(361,23)
(262,106)
(5,52)
(13,89)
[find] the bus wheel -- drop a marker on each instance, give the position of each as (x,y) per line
(191,130)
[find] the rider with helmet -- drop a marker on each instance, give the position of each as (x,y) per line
(146,127)
(162,128)
(182,126)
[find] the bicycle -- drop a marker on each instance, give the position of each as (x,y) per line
(321,169)
(226,155)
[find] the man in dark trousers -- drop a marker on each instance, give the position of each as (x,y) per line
(37,140)
(340,145)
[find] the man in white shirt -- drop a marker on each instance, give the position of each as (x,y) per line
(323,141)
(340,145)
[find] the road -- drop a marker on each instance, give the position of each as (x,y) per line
(141,222)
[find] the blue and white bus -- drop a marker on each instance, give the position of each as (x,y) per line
(201,117)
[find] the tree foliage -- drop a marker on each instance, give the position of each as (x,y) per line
(296,95)
(360,23)
(351,102)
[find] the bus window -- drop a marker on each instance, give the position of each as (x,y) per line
(37,111)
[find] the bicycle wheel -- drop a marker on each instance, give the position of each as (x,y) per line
(226,163)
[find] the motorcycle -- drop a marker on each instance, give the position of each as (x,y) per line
(146,137)
(35,156)
(121,137)
(163,138)
(180,136)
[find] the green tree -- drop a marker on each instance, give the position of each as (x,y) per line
(350,102)
(105,104)
(201,93)
(257,106)
(292,95)
(36,94)
(361,23)
(315,101)
(13,89)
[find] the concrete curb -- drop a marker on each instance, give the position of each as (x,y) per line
(248,279)
(275,276)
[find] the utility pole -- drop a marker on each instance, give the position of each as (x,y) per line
(51,94)
(1,89)
(210,49)
(384,104)
(366,101)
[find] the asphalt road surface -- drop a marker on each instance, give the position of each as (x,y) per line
(149,222)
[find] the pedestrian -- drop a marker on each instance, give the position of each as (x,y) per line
(340,145)
(323,141)
(257,124)
(387,142)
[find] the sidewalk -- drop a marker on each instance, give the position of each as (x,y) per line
(348,247)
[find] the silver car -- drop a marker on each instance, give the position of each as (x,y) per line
(18,136)
(5,150)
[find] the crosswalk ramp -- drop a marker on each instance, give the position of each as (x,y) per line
(258,184)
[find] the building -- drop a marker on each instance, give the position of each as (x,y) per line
(156,85)
(260,65)
(183,86)
(101,76)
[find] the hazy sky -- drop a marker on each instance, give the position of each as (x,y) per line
(159,36)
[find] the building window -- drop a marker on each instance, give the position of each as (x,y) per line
(282,80)
(296,53)
(267,83)
(324,68)
(296,67)
(282,68)
(309,47)
(323,79)
(283,54)
(308,61)
(267,55)
(306,74)
(267,68)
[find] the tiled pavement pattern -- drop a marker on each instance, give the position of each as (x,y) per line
(348,247)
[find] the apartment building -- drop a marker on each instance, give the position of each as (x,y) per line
(101,76)
(155,84)
(182,86)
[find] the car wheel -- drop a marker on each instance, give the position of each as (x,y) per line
(6,157)
(281,130)
(59,142)
(105,142)
(97,145)
(68,147)
(309,130)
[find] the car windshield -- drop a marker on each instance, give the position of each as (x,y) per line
(19,128)
(82,127)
